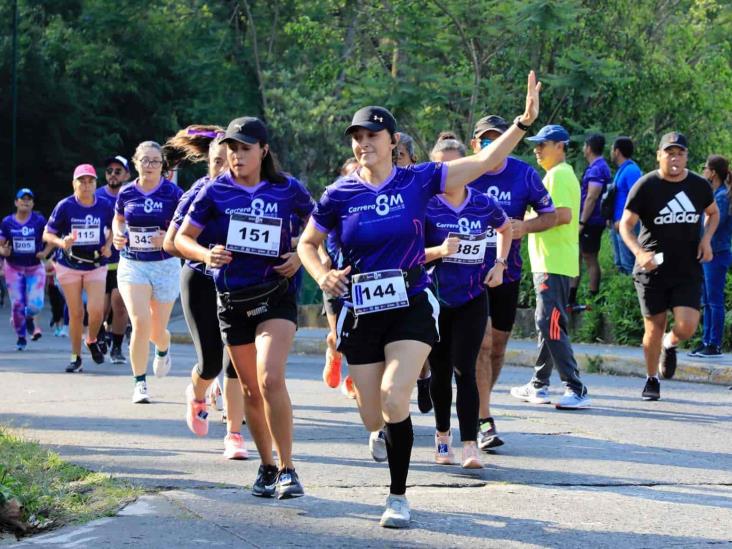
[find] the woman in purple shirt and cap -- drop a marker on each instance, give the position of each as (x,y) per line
(388,324)
(79,227)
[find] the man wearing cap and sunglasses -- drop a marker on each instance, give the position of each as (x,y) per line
(516,186)
(553,255)
(671,204)
(117,173)
(21,243)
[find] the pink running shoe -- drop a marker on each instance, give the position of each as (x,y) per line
(234,447)
(196,413)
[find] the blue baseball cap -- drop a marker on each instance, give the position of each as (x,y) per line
(552,132)
(25,191)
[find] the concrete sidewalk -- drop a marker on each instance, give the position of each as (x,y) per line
(626,473)
(595,358)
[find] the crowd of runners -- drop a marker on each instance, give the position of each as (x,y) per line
(419,265)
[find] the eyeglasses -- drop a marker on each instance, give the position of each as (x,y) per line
(147,163)
(115,171)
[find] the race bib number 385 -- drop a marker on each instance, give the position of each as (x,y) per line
(471,249)
(251,234)
(378,291)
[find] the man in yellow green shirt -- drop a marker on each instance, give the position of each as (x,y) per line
(553,255)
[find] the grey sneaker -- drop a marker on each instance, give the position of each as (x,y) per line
(396,514)
(572,401)
(529,393)
(377,445)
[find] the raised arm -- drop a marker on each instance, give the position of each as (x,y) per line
(462,171)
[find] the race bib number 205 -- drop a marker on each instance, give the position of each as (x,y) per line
(379,291)
(251,234)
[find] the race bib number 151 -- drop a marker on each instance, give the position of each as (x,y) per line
(251,234)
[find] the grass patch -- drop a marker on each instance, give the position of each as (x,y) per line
(52,492)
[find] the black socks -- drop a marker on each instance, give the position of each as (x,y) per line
(399,440)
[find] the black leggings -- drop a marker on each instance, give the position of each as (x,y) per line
(461,332)
(57,304)
(198,298)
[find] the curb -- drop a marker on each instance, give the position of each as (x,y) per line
(603,362)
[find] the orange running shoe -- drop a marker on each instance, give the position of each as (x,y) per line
(347,387)
(332,370)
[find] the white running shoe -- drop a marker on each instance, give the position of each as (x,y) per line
(234,447)
(396,514)
(529,393)
(572,401)
(140,396)
(161,364)
(377,445)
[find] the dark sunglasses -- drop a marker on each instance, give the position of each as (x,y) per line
(115,171)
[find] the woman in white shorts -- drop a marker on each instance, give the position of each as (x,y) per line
(147,276)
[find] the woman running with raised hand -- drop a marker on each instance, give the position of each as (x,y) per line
(147,275)
(21,244)
(79,227)
(198,296)
(459,228)
(248,210)
(389,323)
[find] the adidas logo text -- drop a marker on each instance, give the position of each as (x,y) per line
(678,210)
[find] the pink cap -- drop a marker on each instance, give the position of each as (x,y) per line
(85,169)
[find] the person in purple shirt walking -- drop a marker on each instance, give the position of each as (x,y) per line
(247,210)
(147,275)
(198,298)
(21,244)
(79,227)
(592,186)
(517,187)
(389,322)
(459,229)
(117,173)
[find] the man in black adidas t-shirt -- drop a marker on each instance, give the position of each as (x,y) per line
(671,204)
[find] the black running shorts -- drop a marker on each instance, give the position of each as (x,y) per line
(657,294)
(502,304)
(590,238)
(238,328)
(363,339)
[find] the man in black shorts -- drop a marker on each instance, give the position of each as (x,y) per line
(595,180)
(117,173)
(516,186)
(669,203)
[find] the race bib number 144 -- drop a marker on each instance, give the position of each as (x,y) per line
(379,291)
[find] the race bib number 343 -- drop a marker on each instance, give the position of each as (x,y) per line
(379,291)
(471,249)
(141,239)
(252,234)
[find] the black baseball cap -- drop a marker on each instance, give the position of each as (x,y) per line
(491,122)
(247,129)
(118,159)
(673,139)
(373,118)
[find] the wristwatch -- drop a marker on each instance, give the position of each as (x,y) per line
(520,125)
(501,260)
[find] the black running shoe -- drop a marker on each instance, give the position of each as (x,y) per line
(102,346)
(288,484)
(710,351)
(487,435)
(667,362)
(424,400)
(21,344)
(266,483)
(116,355)
(96,352)
(696,350)
(75,366)
(652,390)
(30,324)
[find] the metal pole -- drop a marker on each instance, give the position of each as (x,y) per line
(14,99)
